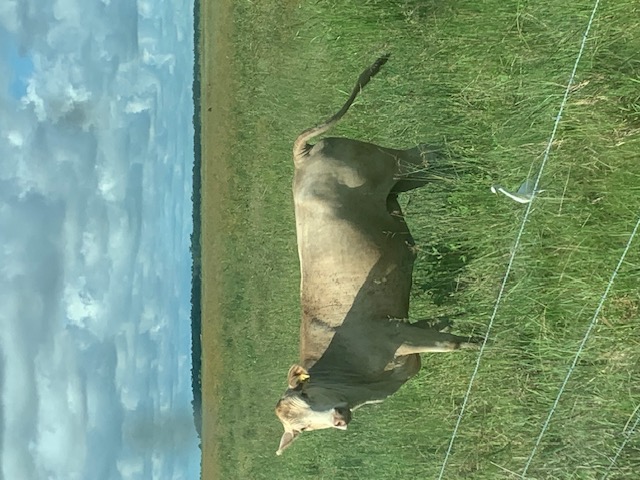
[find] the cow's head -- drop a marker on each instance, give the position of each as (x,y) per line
(306,406)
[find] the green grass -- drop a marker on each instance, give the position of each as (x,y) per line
(485,79)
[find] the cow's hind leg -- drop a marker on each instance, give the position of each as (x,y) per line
(412,165)
(394,209)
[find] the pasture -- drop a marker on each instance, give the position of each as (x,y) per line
(484,80)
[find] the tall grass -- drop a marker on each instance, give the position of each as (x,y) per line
(484,80)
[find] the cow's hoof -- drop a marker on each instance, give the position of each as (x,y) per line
(474,343)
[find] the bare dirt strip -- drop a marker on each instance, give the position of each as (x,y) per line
(217,140)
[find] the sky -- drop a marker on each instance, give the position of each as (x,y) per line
(96,158)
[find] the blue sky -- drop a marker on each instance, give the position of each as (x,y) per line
(21,66)
(96,156)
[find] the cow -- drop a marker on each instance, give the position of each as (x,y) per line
(356,255)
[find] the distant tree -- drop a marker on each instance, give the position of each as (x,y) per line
(196,275)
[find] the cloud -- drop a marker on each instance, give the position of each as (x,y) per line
(95,186)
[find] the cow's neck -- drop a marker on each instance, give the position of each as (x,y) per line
(356,390)
(355,378)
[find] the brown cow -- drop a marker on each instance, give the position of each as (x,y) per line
(356,259)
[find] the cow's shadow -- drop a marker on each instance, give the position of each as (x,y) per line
(441,267)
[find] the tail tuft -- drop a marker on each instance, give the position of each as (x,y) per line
(300,146)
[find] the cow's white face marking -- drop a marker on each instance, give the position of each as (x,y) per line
(306,408)
(310,408)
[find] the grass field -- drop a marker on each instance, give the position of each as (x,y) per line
(485,79)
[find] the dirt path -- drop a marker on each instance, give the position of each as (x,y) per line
(217,141)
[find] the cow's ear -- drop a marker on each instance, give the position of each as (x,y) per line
(286,440)
(297,376)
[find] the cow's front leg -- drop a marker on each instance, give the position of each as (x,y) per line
(441,324)
(417,339)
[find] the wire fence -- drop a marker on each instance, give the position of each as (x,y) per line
(594,320)
(627,436)
(512,257)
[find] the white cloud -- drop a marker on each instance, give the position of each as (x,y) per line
(9,15)
(15,138)
(93,251)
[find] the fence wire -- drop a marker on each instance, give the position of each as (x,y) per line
(627,435)
(594,320)
(518,238)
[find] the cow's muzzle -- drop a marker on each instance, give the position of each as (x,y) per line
(341,417)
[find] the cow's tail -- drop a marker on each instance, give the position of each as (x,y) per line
(300,146)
